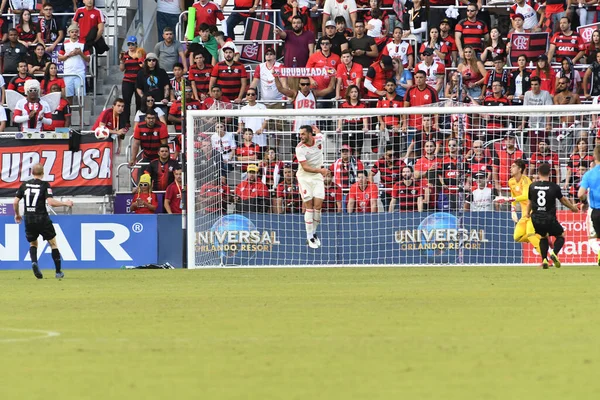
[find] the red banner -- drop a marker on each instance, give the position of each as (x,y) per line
(586,31)
(576,249)
(530,44)
(85,172)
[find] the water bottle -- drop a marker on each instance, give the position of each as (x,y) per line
(294,63)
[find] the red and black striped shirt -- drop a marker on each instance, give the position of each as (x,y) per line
(162,173)
(407,196)
(229,78)
(333,194)
(391,121)
(499,120)
(132,67)
(201,77)
(150,138)
(290,193)
(189,105)
(472,33)
(18,84)
(59,116)
(388,174)
(576,159)
(267,171)
(567,45)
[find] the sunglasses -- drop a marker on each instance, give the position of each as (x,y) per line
(250,94)
(131,44)
(471,10)
(305,84)
(143,184)
(151,60)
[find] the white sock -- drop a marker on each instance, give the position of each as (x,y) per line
(308,221)
(316,220)
(594,245)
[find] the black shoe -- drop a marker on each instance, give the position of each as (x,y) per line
(36,270)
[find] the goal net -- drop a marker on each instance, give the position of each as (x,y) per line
(406,186)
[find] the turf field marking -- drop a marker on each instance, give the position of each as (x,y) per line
(42,335)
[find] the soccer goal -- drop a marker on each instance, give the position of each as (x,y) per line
(407,186)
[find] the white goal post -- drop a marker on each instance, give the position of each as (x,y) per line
(458,223)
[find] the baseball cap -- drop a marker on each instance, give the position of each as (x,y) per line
(445,21)
(252,168)
(146,179)
(428,52)
(543,57)
(132,39)
(151,56)
(480,175)
(270,50)
(228,45)
(387,62)
(517,15)
(345,147)
(329,23)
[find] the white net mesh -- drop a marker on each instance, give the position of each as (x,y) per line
(428,194)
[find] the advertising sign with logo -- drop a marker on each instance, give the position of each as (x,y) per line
(84,241)
(84,172)
(576,250)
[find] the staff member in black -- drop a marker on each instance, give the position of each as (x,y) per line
(542,210)
(36,193)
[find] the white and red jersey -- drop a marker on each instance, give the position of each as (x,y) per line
(400,50)
(267,87)
(528,12)
(24,107)
(313,155)
(432,72)
(302,102)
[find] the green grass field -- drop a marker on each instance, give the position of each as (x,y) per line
(377,333)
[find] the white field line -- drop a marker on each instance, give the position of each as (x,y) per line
(42,334)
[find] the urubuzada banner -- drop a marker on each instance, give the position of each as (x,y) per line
(586,31)
(302,72)
(85,172)
(530,44)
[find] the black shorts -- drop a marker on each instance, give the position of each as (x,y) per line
(596,221)
(36,225)
(546,225)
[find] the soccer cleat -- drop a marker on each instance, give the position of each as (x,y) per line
(312,243)
(36,270)
(60,275)
(316,239)
(555,259)
(545,264)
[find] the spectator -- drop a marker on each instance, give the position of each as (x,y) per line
(251,195)
(426,170)
(375,25)
(428,134)
(449,40)
(38,61)
(419,95)
(378,74)
(231,76)
(217,101)
(415,20)
(392,123)
(223,44)
(305,98)
(353,129)
(51,78)
(496,123)
(321,59)
(441,53)
(333,195)
(568,122)
(75,59)
(364,49)
(593,47)
(153,81)
(397,48)
(248,151)
(111,119)
(299,44)
(66,7)
(144,201)
(336,8)
(363,195)
(554,11)
(237,16)
(257,125)
(12,53)
(205,41)
(563,94)
(408,193)
(454,89)
(223,144)
(479,161)
(517,22)
(348,73)
(536,97)
(177,82)
(520,81)
(389,168)
(31,112)
(471,32)
(481,197)
(131,62)
(207,13)
(17,83)
(339,43)
(167,15)
(148,103)
(531,22)
(472,71)
(505,156)
(566,43)
(148,136)
(199,75)
(345,169)
(175,116)
(91,23)
(264,81)
(61,117)
(293,8)
(162,169)
(342,27)
(496,49)
(403,77)
(545,73)
(270,169)
(591,79)
(545,156)
(497,74)
(288,193)
(567,70)
(27,30)
(581,156)
(175,194)
(434,70)
(369,16)
(169,51)
(450,176)
(215,195)
(3,30)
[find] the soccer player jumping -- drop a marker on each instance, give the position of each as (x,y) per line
(519,191)
(591,182)
(542,209)
(309,153)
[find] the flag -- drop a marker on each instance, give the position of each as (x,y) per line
(586,31)
(530,44)
(257,31)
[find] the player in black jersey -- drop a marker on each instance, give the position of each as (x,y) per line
(542,210)
(36,193)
